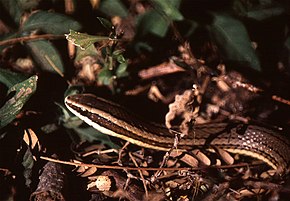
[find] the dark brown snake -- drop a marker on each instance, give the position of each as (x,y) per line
(250,140)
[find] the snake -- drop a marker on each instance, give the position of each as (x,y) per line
(110,118)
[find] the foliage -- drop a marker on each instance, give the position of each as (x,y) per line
(251,36)
(113,63)
(22,92)
(83,40)
(224,31)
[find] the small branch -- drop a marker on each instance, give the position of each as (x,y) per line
(54,66)
(141,175)
(149,168)
(255,90)
(29,38)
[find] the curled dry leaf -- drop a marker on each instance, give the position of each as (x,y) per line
(88,171)
(31,139)
(155,94)
(268,174)
(84,171)
(247,193)
(102,183)
(88,70)
(185,107)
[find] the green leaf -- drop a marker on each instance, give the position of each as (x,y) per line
(116,53)
(191,27)
(70,121)
(157,21)
(46,55)
(105,76)
(13,8)
(169,8)
(140,46)
(113,8)
(263,14)
(28,164)
(239,8)
(28,4)
(13,106)
(152,22)
(233,41)
(106,23)
(9,78)
(89,51)
(122,70)
(74,89)
(49,22)
(84,40)
(90,134)
(120,58)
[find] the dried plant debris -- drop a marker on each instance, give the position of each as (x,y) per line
(213,176)
(164,68)
(232,93)
(185,107)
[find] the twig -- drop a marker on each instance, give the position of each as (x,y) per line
(29,38)
(54,66)
(140,173)
(122,150)
(255,90)
(149,168)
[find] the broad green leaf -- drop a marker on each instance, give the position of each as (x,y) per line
(157,21)
(142,46)
(13,106)
(69,120)
(191,28)
(152,22)
(239,8)
(263,14)
(105,76)
(13,8)
(83,40)
(90,134)
(28,4)
(113,8)
(265,2)
(74,89)
(27,163)
(169,8)
(90,51)
(9,78)
(233,41)
(46,55)
(49,22)
(106,23)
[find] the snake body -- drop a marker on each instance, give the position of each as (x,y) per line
(250,140)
